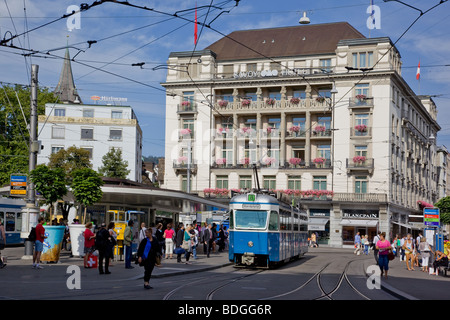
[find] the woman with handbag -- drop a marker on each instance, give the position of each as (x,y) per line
(147,253)
(384,248)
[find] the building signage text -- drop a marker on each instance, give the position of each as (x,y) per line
(361,215)
(276,73)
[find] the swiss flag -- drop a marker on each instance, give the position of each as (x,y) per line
(418,72)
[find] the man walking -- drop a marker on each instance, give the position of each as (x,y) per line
(357,244)
(39,243)
(208,239)
(127,241)
(104,252)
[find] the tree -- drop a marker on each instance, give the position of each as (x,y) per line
(70,159)
(86,187)
(50,183)
(113,165)
(14,136)
(444,209)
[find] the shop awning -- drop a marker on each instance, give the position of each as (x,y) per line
(359,222)
(317,224)
(423,204)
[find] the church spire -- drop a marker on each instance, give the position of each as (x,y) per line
(66,90)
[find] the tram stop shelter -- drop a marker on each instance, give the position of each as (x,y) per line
(122,194)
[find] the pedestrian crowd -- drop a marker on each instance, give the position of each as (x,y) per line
(414,252)
(153,244)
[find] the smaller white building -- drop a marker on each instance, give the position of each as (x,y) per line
(96,128)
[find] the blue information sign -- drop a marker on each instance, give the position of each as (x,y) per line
(431,217)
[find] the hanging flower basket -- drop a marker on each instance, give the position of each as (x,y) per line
(320,129)
(361,97)
(361,128)
(223,103)
(295,161)
(320,99)
(270,101)
(319,160)
(245,102)
(295,100)
(186,103)
(294,129)
(185,131)
(221,161)
(245,161)
(359,159)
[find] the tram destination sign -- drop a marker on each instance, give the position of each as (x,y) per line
(431,217)
(18,185)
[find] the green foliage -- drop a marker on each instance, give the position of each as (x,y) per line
(113,165)
(14,135)
(86,186)
(444,209)
(50,183)
(70,159)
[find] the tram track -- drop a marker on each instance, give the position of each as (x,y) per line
(325,294)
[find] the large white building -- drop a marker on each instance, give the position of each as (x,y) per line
(94,127)
(324,113)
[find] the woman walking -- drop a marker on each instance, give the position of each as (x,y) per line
(147,252)
(425,250)
(383,246)
(409,251)
(89,243)
(168,235)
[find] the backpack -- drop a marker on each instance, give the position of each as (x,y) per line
(32,235)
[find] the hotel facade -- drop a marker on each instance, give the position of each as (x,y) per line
(324,114)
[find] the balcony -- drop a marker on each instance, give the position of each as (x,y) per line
(361,132)
(187,108)
(360,197)
(361,102)
(180,165)
(360,164)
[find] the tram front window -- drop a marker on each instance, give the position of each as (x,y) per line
(246,219)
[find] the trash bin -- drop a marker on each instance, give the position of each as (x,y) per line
(29,247)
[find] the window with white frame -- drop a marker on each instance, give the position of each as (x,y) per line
(361,184)
(362,59)
(88,113)
(60,112)
(87,133)
(116,114)
(58,132)
(320,183)
(295,182)
(115,134)
(55,149)
(270,182)
(222,182)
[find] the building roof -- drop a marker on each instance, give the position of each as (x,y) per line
(66,90)
(283,42)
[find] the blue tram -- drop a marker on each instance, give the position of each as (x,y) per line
(265,231)
(11,216)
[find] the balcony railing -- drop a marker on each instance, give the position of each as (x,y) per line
(358,132)
(187,108)
(361,163)
(360,197)
(249,105)
(362,102)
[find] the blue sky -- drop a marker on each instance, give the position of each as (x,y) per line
(157,35)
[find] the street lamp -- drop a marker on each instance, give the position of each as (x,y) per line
(304,19)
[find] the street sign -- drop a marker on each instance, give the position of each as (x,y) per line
(18,185)
(431,217)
